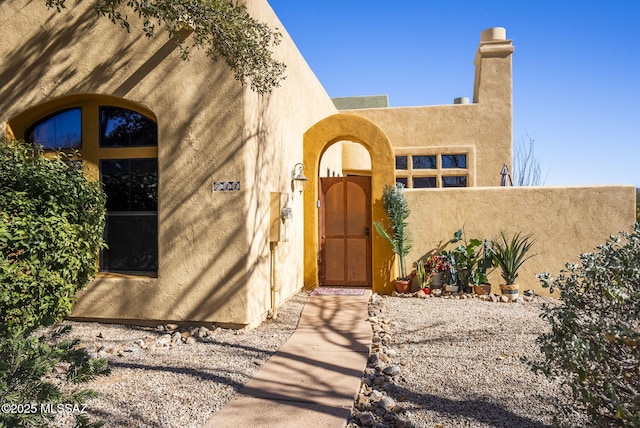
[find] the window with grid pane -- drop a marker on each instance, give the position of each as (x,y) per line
(423,162)
(424,182)
(454,161)
(454,181)
(131,231)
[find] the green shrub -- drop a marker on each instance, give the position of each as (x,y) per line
(51,223)
(594,344)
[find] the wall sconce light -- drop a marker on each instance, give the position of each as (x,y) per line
(298,179)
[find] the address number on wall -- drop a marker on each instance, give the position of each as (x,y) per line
(226,186)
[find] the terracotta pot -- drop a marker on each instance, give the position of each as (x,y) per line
(511,291)
(402,286)
(482,289)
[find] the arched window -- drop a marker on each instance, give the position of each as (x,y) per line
(61,130)
(120,127)
(119,142)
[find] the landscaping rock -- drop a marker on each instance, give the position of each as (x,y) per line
(387,403)
(164,340)
(367,419)
(392,371)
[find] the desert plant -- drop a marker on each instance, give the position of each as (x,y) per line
(469,260)
(593,346)
(509,255)
(486,262)
(398,236)
(421,274)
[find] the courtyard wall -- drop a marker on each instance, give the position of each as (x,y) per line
(564,221)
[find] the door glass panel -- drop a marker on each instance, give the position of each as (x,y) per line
(121,127)
(60,131)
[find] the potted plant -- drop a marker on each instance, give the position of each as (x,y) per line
(479,278)
(465,260)
(421,275)
(509,255)
(398,236)
(436,266)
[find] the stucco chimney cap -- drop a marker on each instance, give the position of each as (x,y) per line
(493,34)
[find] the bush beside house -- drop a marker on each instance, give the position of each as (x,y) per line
(594,343)
(51,224)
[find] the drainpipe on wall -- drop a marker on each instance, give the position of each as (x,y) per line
(273,312)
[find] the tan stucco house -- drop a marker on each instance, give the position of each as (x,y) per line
(206,220)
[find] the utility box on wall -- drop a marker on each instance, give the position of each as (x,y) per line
(279,215)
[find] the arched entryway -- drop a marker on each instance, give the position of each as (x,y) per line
(348,127)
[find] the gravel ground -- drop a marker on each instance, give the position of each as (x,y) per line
(460,359)
(462,363)
(178,386)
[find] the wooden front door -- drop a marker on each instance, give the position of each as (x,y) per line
(345,231)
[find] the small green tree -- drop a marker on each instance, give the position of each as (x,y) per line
(398,211)
(223,28)
(594,343)
(51,223)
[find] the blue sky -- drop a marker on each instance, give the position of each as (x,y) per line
(576,68)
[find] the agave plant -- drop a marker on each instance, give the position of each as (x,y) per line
(397,210)
(511,254)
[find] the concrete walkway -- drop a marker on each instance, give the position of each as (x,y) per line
(313,378)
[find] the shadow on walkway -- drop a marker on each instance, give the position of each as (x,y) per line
(313,379)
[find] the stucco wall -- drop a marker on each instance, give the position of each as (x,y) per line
(565,221)
(356,158)
(199,111)
(274,126)
(213,246)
